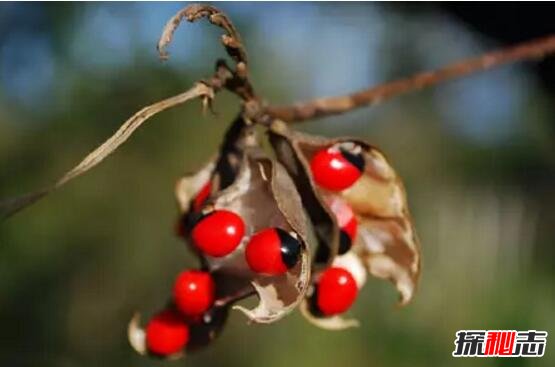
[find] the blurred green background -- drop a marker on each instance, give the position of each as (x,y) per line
(477,156)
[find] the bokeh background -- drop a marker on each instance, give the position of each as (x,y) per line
(477,155)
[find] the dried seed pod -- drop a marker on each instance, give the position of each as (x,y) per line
(264,196)
(324,225)
(188,187)
(220,171)
(385,240)
(193,190)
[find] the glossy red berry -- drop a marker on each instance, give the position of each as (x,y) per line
(218,233)
(202,196)
(346,220)
(193,292)
(336,169)
(166,333)
(273,251)
(336,291)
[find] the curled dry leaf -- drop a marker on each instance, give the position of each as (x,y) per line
(351,262)
(386,241)
(11,206)
(264,196)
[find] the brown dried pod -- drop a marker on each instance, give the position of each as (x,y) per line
(261,192)
(188,187)
(192,190)
(220,171)
(322,219)
(386,241)
(265,197)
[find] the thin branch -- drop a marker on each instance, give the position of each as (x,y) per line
(335,105)
(13,205)
(239,83)
(231,40)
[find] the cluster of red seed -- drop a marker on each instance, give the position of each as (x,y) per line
(193,294)
(336,169)
(270,251)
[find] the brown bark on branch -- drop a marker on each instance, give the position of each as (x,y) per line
(335,105)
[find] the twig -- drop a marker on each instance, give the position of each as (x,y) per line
(231,40)
(11,206)
(235,81)
(239,83)
(335,105)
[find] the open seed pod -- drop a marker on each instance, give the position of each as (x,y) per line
(193,189)
(264,196)
(189,187)
(202,331)
(324,225)
(385,240)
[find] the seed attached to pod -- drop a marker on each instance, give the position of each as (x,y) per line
(336,168)
(193,292)
(166,333)
(218,233)
(202,196)
(273,251)
(336,291)
(346,220)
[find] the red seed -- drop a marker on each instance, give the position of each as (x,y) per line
(272,251)
(351,228)
(346,220)
(336,291)
(218,233)
(344,215)
(332,170)
(166,333)
(193,292)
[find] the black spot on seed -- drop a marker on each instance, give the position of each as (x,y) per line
(313,304)
(344,242)
(356,160)
(290,248)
